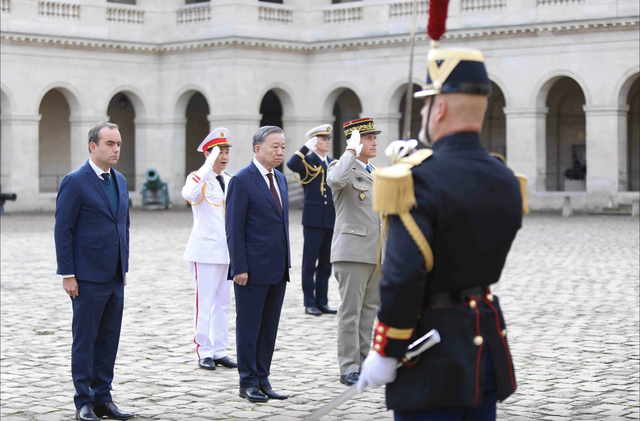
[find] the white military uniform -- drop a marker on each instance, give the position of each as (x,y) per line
(208,257)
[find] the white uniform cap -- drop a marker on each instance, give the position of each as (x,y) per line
(321,130)
(218,137)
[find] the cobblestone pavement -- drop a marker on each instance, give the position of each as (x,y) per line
(569,292)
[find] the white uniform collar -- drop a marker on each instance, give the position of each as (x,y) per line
(321,158)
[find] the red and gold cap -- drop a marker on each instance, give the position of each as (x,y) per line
(362,125)
(220,136)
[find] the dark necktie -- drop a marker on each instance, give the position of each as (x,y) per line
(274,192)
(221,181)
(105,176)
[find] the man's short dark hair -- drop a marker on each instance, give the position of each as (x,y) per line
(261,134)
(94,133)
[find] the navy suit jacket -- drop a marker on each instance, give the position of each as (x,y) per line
(257,233)
(89,237)
(318,210)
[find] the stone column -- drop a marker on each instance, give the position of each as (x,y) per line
(526,144)
(153,150)
(606,150)
(20,161)
(80,127)
(389,124)
(242,127)
(168,156)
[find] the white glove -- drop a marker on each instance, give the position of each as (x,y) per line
(204,171)
(377,371)
(354,143)
(311,144)
(398,149)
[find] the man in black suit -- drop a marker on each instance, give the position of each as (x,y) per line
(92,248)
(257,226)
(318,218)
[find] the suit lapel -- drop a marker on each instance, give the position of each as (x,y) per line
(282,185)
(262,186)
(120,185)
(95,181)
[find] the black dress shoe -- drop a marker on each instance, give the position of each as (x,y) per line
(253,394)
(313,311)
(207,363)
(86,414)
(111,411)
(349,379)
(326,309)
(267,390)
(226,362)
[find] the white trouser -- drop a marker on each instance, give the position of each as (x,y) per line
(211,311)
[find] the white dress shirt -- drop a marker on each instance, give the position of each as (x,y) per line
(264,173)
(323,159)
(363,164)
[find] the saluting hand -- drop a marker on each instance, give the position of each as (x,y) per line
(213,155)
(241,279)
(354,143)
(311,144)
(70,286)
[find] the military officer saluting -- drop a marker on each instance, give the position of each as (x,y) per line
(207,251)
(453,213)
(318,217)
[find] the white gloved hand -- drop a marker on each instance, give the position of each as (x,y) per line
(398,149)
(204,171)
(354,143)
(311,143)
(377,371)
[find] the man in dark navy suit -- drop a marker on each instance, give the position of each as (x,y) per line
(92,248)
(453,212)
(318,218)
(257,226)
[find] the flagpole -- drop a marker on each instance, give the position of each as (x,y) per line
(409,96)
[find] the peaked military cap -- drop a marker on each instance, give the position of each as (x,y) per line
(321,130)
(220,136)
(362,125)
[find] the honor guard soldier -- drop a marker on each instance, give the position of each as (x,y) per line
(318,217)
(452,213)
(207,251)
(354,249)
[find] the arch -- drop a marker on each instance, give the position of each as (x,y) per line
(624,85)
(123,111)
(566,166)
(70,94)
(134,95)
(542,88)
(54,139)
(397,93)
(503,89)
(182,98)
(285,96)
(494,128)
(196,114)
(631,145)
(334,92)
(344,104)
(6,100)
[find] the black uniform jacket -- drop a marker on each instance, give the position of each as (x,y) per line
(469,208)
(318,210)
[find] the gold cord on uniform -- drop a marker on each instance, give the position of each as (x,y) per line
(311,173)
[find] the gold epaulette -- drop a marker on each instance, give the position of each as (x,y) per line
(393,186)
(522,179)
(228,173)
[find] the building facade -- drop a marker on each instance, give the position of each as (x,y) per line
(565,109)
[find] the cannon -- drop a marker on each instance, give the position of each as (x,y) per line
(4,197)
(155,194)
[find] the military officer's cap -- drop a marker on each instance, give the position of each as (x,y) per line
(362,125)
(455,71)
(220,136)
(321,130)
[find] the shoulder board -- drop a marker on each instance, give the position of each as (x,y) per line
(229,174)
(192,172)
(499,156)
(417,157)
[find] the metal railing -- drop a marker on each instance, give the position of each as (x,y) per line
(125,15)
(54,9)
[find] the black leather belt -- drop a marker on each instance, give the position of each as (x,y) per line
(454,298)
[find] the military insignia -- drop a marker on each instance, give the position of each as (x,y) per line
(362,196)
(221,135)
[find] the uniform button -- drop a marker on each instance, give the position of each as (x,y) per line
(325,195)
(379,338)
(490,297)
(472,304)
(206,238)
(325,203)
(351,231)
(116,243)
(380,329)
(477,341)
(504,332)
(377,347)
(380,224)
